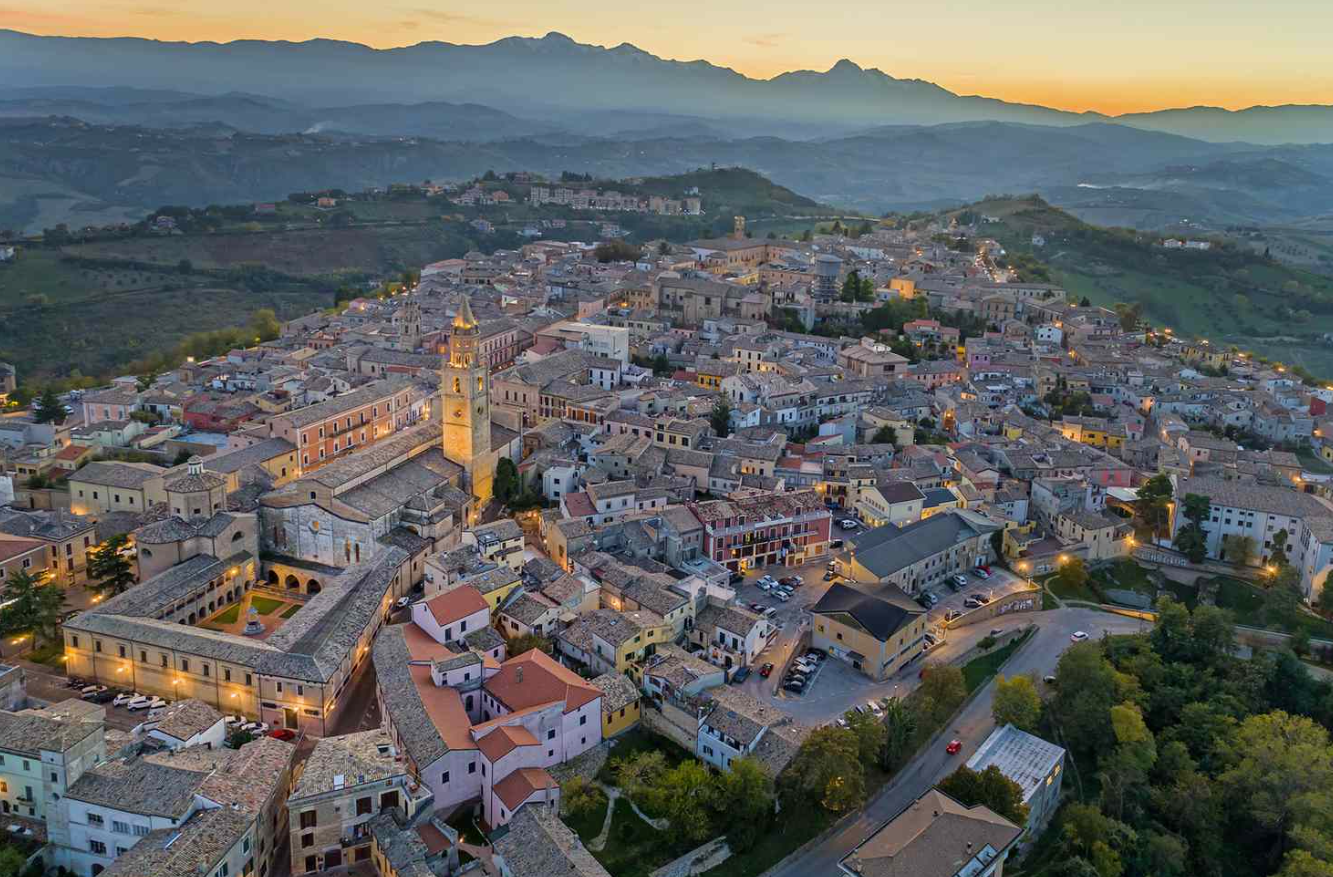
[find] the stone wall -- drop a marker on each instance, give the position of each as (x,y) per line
(1019,601)
(673,723)
(585,765)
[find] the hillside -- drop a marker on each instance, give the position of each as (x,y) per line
(1229,293)
(94,303)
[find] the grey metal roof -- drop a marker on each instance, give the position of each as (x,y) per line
(888,549)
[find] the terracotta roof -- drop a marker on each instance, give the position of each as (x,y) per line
(516,788)
(534,678)
(504,740)
(455,605)
(16,547)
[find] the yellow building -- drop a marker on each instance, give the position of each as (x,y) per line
(877,631)
(620,703)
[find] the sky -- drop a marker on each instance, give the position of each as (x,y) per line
(1111,57)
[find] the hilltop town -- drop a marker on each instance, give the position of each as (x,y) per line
(421,584)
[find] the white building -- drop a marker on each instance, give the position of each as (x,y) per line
(1036,765)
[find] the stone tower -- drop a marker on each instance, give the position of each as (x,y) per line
(467,406)
(407,323)
(738,227)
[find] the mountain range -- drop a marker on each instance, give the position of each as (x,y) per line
(545,83)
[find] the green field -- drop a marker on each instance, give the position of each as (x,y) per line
(290,610)
(228,615)
(265,605)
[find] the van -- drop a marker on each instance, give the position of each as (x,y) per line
(770,612)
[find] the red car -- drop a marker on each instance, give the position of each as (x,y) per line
(282,734)
(954,747)
(765,670)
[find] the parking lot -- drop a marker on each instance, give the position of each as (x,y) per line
(834,687)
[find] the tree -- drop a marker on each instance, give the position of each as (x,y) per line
(686,795)
(744,801)
(580,797)
(1190,538)
(870,735)
(637,774)
(1300,863)
(1073,574)
(1282,598)
(48,408)
(990,788)
(1129,315)
(264,324)
(1278,555)
(827,770)
(1238,549)
(1281,771)
(526,642)
(885,435)
(616,251)
(1016,703)
(32,607)
(720,417)
(1085,684)
(109,567)
(941,691)
(506,485)
(145,381)
(899,732)
(1324,602)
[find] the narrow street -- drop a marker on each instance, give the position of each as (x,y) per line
(971,727)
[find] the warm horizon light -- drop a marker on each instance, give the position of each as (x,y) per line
(1077,55)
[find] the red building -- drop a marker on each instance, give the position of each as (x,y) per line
(216,412)
(777,528)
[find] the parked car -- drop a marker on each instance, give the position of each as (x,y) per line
(835,544)
(930,639)
(766,670)
(741,675)
(756,607)
(100,697)
(828,576)
(995,631)
(769,612)
(737,578)
(137,702)
(794,686)
(981,572)
(282,734)
(952,614)
(848,524)
(1049,680)
(402,602)
(922,601)
(767,580)
(782,595)
(972,603)
(832,565)
(1078,636)
(986,568)
(960,580)
(984,598)
(90,690)
(234,720)
(875,708)
(147,703)
(954,747)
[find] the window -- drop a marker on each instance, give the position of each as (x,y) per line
(307,818)
(363,806)
(444,777)
(226,674)
(94,818)
(583,720)
(74,641)
(120,827)
(205,669)
(143,656)
(247,679)
(97,847)
(307,840)
(185,665)
(472,768)
(141,830)
(550,735)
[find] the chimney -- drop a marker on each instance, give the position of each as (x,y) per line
(518,675)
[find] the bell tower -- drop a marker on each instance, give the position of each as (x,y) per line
(467,406)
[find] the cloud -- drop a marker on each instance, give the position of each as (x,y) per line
(445,17)
(409,25)
(764,40)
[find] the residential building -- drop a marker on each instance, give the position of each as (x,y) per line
(875,628)
(936,836)
(922,554)
(1034,764)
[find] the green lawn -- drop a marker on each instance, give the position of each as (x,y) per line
(1126,575)
(774,846)
(1048,600)
(290,610)
(228,615)
(265,605)
(1060,588)
(588,825)
(1313,462)
(638,740)
(980,669)
(1246,603)
(634,848)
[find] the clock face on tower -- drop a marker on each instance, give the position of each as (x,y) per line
(458,413)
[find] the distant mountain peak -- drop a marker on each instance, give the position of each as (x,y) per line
(846,66)
(556,36)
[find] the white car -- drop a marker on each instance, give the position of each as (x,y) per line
(847,524)
(124,698)
(781,596)
(137,702)
(402,602)
(234,720)
(1078,636)
(147,703)
(767,580)
(255,728)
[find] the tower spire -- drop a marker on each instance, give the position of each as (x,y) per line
(463,320)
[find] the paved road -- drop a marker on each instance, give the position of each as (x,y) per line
(971,727)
